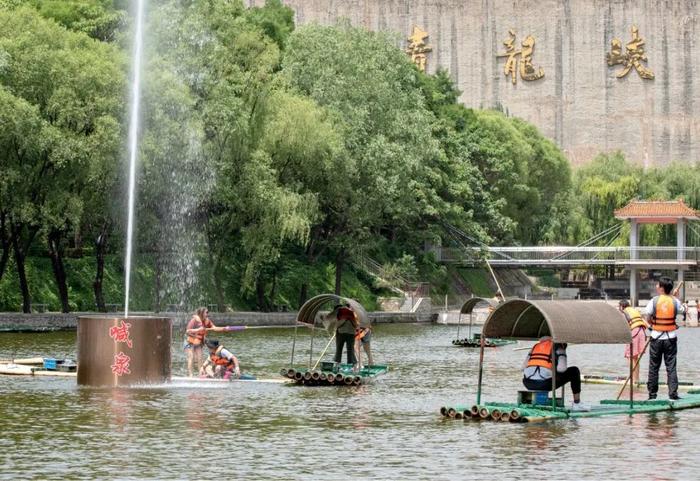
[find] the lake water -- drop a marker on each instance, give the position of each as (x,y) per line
(389,430)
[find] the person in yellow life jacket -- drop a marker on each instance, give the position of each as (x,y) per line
(363,336)
(195,333)
(638,328)
(221,363)
(661,314)
(537,371)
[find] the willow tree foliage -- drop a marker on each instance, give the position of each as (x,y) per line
(60,114)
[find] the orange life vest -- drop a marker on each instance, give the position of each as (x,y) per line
(221,360)
(664,314)
(361,332)
(198,338)
(634,318)
(541,354)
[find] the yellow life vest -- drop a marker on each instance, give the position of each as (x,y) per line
(634,318)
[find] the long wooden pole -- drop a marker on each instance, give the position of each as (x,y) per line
(324,352)
(631,377)
(633,368)
(481,371)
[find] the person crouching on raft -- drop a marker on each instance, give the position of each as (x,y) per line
(638,326)
(537,371)
(195,333)
(221,363)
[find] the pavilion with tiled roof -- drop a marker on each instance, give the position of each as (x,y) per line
(656,212)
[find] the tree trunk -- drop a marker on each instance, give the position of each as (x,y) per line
(260,294)
(22,275)
(59,270)
(6,246)
(100,249)
(215,263)
(339,271)
(303,293)
(273,291)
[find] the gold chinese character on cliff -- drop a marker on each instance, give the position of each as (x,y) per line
(418,49)
(527,70)
(633,57)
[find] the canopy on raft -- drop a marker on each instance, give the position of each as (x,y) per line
(309,312)
(574,322)
(469,306)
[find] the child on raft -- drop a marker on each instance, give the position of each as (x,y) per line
(221,363)
(639,327)
(363,336)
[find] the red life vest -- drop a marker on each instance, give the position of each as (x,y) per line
(541,354)
(361,332)
(665,311)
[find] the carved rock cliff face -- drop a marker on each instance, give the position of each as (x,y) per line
(579,103)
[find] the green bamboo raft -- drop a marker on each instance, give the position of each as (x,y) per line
(620,380)
(476,342)
(332,374)
(523,413)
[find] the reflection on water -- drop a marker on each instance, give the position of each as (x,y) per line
(389,430)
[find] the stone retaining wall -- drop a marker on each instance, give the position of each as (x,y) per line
(54,321)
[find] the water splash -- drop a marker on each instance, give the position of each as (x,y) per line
(133,144)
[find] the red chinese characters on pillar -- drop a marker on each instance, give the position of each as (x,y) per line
(121,364)
(121,333)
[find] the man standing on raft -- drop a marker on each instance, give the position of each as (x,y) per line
(661,314)
(195,333)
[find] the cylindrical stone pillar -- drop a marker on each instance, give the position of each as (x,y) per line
(117,351)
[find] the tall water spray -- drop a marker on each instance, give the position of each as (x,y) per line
(133,143)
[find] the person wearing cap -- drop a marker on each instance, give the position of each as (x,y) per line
(638,327)
(221,363)
(345,332)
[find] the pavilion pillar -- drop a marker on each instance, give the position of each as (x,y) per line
(680,244)
(634,255)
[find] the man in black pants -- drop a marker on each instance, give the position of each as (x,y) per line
(345,333)
(661,315)
(537,371)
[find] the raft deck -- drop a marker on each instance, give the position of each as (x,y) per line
(521,413)
(335,375)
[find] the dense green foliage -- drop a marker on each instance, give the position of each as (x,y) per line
(272,161)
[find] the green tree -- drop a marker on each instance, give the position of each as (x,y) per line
(69,87)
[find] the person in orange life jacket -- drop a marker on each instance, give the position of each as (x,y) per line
(363,336)
(345,332)
(638,326)
(661,314)
(537,371)
(195,332)
(221,363)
